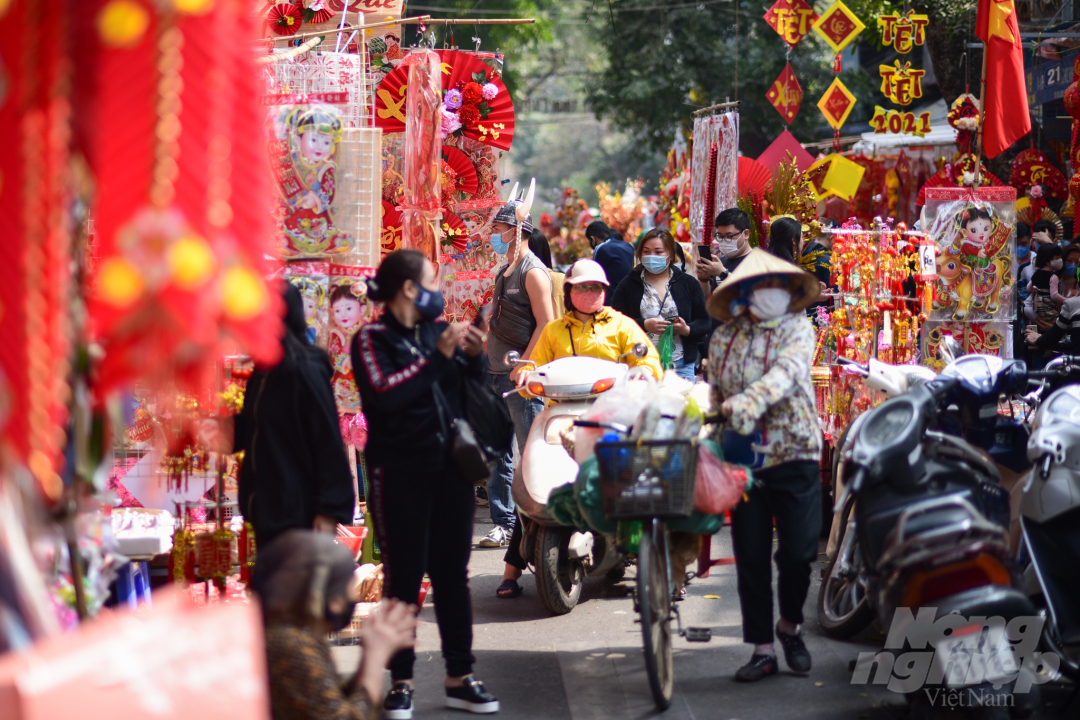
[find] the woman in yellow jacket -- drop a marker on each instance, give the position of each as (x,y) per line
(587,329)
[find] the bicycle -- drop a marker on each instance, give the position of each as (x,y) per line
(651,481)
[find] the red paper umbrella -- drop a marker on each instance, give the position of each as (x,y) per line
(459,162)
(284,18)
(754,177)
(456,234)
(459,69)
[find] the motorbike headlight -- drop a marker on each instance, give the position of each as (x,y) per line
(887,424)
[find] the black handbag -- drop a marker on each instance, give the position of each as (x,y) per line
(474,458)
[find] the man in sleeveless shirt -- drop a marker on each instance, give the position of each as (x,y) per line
(521,306)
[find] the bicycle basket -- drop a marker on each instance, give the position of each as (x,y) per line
(646,479)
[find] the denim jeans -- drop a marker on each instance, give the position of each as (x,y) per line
(684,369)
(522,411)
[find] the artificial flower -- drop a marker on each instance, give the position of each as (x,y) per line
(450,122)
(469,115)
(284,19)
(1036,191)
(452,99)
(490,90)
(472,93)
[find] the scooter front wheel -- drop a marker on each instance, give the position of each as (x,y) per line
(654,597)
(558,578)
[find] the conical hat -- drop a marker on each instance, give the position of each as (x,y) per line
(760,264)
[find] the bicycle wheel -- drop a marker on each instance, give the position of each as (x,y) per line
(654,606)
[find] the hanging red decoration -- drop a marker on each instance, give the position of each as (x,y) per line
(455,234)
(390,239)
(490,119)
(1032,167)
(284,19)
(786,94)
(710,195)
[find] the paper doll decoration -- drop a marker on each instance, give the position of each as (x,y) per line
(305,142)
(349,310)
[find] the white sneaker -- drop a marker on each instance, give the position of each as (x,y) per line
(498,537)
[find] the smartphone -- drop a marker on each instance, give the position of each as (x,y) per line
(705,251)
(482,317)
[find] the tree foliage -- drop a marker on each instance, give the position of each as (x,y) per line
(666,64)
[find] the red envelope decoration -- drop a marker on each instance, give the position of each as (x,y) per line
(785,94)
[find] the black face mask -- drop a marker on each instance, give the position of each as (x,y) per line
(340,620)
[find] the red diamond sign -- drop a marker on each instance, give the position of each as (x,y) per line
(791,19)
(838,26)
(836,104)
(786,94)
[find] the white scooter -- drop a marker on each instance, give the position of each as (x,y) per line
(562,556)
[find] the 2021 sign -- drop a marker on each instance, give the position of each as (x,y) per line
(895,122)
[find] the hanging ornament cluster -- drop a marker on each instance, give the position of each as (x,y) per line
(285,18)
(1072,106)
(838,27)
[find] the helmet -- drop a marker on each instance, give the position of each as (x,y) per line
(506,214)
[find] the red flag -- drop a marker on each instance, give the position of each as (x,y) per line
(1006,93)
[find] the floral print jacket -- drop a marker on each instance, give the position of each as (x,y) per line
(764,368)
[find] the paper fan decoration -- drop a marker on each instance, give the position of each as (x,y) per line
(466,181)
(284,19)
(455,234)
(753,177)
(316,12)
(476,103)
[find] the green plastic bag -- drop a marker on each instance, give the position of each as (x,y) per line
(666,347)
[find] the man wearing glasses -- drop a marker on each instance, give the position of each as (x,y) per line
(730,244)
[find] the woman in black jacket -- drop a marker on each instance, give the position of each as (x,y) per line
(409,369)
(657,294)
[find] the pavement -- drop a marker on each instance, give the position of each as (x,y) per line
(588,664)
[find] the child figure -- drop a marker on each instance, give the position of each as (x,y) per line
(308,136)
(975,224)
(348,311)
(313,294)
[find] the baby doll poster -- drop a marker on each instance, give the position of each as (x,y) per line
(349,310)
(974,244)
(305,153)
(312,282)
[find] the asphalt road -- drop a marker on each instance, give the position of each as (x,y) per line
(588,665)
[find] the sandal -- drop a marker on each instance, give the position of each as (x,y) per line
(508,590)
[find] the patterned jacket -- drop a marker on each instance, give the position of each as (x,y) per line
(764,367)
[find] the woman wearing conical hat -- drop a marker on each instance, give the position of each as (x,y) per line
(759,373)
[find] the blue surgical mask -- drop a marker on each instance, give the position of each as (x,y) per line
(655,264)
(1070,269)
(498,245)
(1022,251)
(430,304)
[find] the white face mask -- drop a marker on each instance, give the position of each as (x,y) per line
(1056,264)
(726,247)
(770,303)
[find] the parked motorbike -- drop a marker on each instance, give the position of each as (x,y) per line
(1050,519)
(562,556)
(929,528)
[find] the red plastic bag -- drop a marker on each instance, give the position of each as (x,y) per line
(719,485)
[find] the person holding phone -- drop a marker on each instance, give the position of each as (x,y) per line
(657,294)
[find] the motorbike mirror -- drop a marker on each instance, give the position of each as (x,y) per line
(950,349)
(640,350)
(512,357)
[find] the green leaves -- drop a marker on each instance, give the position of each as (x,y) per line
(484,109)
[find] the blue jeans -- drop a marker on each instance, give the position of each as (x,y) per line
(684,369)
(522,411)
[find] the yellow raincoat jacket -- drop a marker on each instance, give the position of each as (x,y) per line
(607,335)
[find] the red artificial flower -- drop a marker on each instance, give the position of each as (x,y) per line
(472,94)
(469,115)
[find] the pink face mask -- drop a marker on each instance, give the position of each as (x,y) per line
(589,302)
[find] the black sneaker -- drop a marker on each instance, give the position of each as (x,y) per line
(795,653)
(398,702)
(759,666)
(471,697)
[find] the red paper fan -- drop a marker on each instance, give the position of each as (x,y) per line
(319,16)
(284,19)
(457,235)
(754,177)
(497,129)
(459,162)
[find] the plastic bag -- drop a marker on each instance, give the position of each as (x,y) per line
(660,418)
(719,485)
(621,404)
(666,346)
